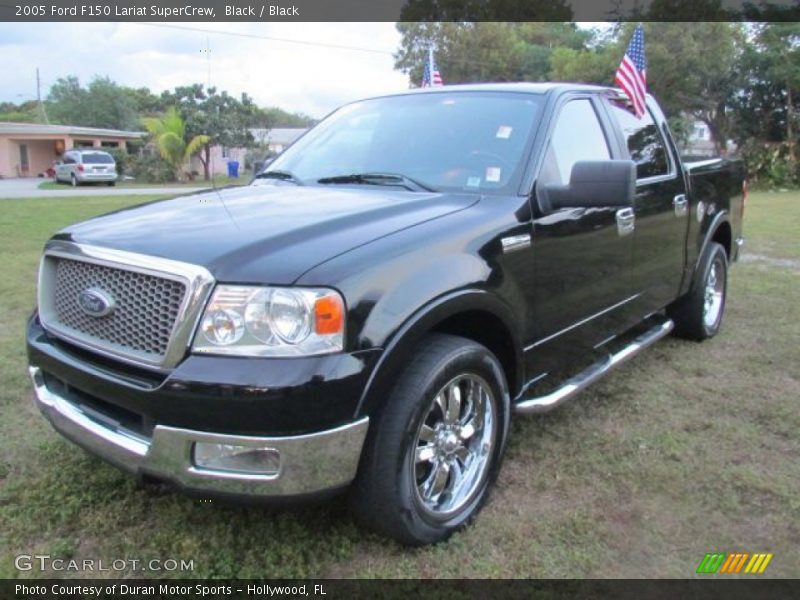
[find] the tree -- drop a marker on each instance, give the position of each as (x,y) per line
(485,51)
(779,44)
(102,104)
(25,112)
(169,136)
(222,119)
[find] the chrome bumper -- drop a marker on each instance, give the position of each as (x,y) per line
(308,463)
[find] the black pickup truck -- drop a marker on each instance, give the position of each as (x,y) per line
(369,313)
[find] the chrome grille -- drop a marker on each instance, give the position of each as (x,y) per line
(142,322)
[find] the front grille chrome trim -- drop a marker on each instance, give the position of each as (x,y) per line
(197,280)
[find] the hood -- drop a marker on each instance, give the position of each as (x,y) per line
(263,234)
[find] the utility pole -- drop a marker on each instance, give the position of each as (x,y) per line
(39,97)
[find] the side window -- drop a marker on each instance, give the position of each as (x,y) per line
(577,136)
(645,144)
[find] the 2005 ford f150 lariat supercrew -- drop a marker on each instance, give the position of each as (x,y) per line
(371,310)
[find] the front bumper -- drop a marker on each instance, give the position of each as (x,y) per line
(309,463)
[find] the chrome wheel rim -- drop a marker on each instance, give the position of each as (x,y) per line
(454,444)
(714,292)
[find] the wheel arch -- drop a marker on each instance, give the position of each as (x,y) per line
(719,230)
(723,234)
(474,314)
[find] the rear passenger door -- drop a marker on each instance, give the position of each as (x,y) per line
(661,209)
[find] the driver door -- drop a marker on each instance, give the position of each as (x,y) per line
(583,256)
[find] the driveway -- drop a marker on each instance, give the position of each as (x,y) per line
(29,188)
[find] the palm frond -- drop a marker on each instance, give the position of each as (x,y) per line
(195,144)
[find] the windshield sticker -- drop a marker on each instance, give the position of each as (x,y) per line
(493,174)
(473,182)
(504,132)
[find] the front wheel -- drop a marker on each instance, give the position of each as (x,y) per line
(434,452)
(698,315)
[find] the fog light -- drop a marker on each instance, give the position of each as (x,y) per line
(255,460)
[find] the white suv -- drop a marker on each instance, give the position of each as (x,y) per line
(86,166)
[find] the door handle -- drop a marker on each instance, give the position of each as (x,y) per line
(680,205)
(626,221)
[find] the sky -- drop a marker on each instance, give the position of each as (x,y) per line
(296,77)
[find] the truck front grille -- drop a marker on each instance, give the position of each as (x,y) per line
(145,312)
(121,305)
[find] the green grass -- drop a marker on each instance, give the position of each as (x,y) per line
(689,448)
(219,181)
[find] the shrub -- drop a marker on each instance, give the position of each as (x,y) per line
(769,165)
(256,154)
(122,158)
(149,167)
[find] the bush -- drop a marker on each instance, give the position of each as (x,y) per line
(769,165)
(122,158)
(256,154)
(149,167)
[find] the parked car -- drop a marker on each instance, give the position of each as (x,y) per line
(371,312)
(86,166)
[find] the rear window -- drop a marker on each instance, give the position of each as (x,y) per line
(97,158)
(645,144)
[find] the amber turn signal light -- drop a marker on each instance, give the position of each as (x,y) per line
(328,315)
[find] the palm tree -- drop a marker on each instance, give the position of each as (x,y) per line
(169,135)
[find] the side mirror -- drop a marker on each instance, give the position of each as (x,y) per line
(595,183)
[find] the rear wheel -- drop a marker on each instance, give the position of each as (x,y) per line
(73,180)
(432,455)
(698,315)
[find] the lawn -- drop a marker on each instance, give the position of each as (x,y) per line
(689,448)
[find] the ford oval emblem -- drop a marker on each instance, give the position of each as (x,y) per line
(95,302)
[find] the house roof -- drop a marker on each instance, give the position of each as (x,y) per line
(9,128)
(278,135)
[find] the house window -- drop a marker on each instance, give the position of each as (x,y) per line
(225,152)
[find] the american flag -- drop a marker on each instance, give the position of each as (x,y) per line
(631,74)
(430,75)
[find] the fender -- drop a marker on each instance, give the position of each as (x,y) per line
(721,217)
(406,338)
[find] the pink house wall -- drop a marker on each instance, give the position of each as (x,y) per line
(219,163)
(5,159)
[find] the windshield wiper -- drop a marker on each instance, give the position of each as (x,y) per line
(282,175)
(378,179)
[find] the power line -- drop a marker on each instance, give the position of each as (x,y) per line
(267,37)
(450,59)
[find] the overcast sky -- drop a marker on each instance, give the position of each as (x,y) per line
(295,77)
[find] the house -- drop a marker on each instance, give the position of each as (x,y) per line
(268,141)
(699,142)
(29,149)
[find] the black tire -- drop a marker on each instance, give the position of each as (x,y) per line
(112,183)
(387,495)
(689,312)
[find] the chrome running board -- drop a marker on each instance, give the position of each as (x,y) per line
(585,378)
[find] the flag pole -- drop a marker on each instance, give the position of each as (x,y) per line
(430,63)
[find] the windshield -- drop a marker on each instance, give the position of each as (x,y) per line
(471,141)
(97,158)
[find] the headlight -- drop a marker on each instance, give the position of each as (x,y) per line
(271,321)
